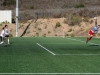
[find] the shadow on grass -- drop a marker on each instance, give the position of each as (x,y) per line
(11,43)
(7,46)
(93,45)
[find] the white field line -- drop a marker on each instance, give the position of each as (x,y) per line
(49,73)
(82,41)
(70,54)
(46,49)
(79,54)
(66,54)
(55,43)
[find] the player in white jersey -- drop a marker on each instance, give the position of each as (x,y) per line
(2,36)
(94,30)
(6,33)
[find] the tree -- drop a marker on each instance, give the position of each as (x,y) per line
(2,2)
(7,2)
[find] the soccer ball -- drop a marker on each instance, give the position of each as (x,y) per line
(95,18)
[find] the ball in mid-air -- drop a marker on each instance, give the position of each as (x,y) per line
(95,18)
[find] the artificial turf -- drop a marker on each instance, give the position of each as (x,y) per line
(23,55)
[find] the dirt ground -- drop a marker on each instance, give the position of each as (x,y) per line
(46,27)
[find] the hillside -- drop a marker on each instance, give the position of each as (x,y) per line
(47,27)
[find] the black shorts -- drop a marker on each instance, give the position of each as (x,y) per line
(7,36)
(2,38)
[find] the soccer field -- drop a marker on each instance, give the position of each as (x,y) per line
(54,56)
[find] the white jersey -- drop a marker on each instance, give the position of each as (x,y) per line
(6,31)
(95,29)
(2,33)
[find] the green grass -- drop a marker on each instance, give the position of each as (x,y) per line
(23,55)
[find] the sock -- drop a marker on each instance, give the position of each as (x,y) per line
(87,39)
(90,38)
(8,40)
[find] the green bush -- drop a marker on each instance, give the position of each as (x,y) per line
(39,29)
(5,22)
(9,2)
(66,34)
(49,32)
(10,35)
(69,30)
(37,34)
(31,7)
(28,32)
(35,26)
(73,20)
(72,35)
(44,35)
(86,19)
(55,34)
(58,24)
(80,6)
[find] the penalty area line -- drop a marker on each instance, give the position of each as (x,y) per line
(49,73)
(78,54)
(46,49)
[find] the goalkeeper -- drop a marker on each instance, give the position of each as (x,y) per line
(94,30)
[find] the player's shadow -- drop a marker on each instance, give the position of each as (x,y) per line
(7,46)
(92,45)
(11,42)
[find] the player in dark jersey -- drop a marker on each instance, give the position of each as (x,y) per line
(94,30)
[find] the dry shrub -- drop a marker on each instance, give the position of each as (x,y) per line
(73,20)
